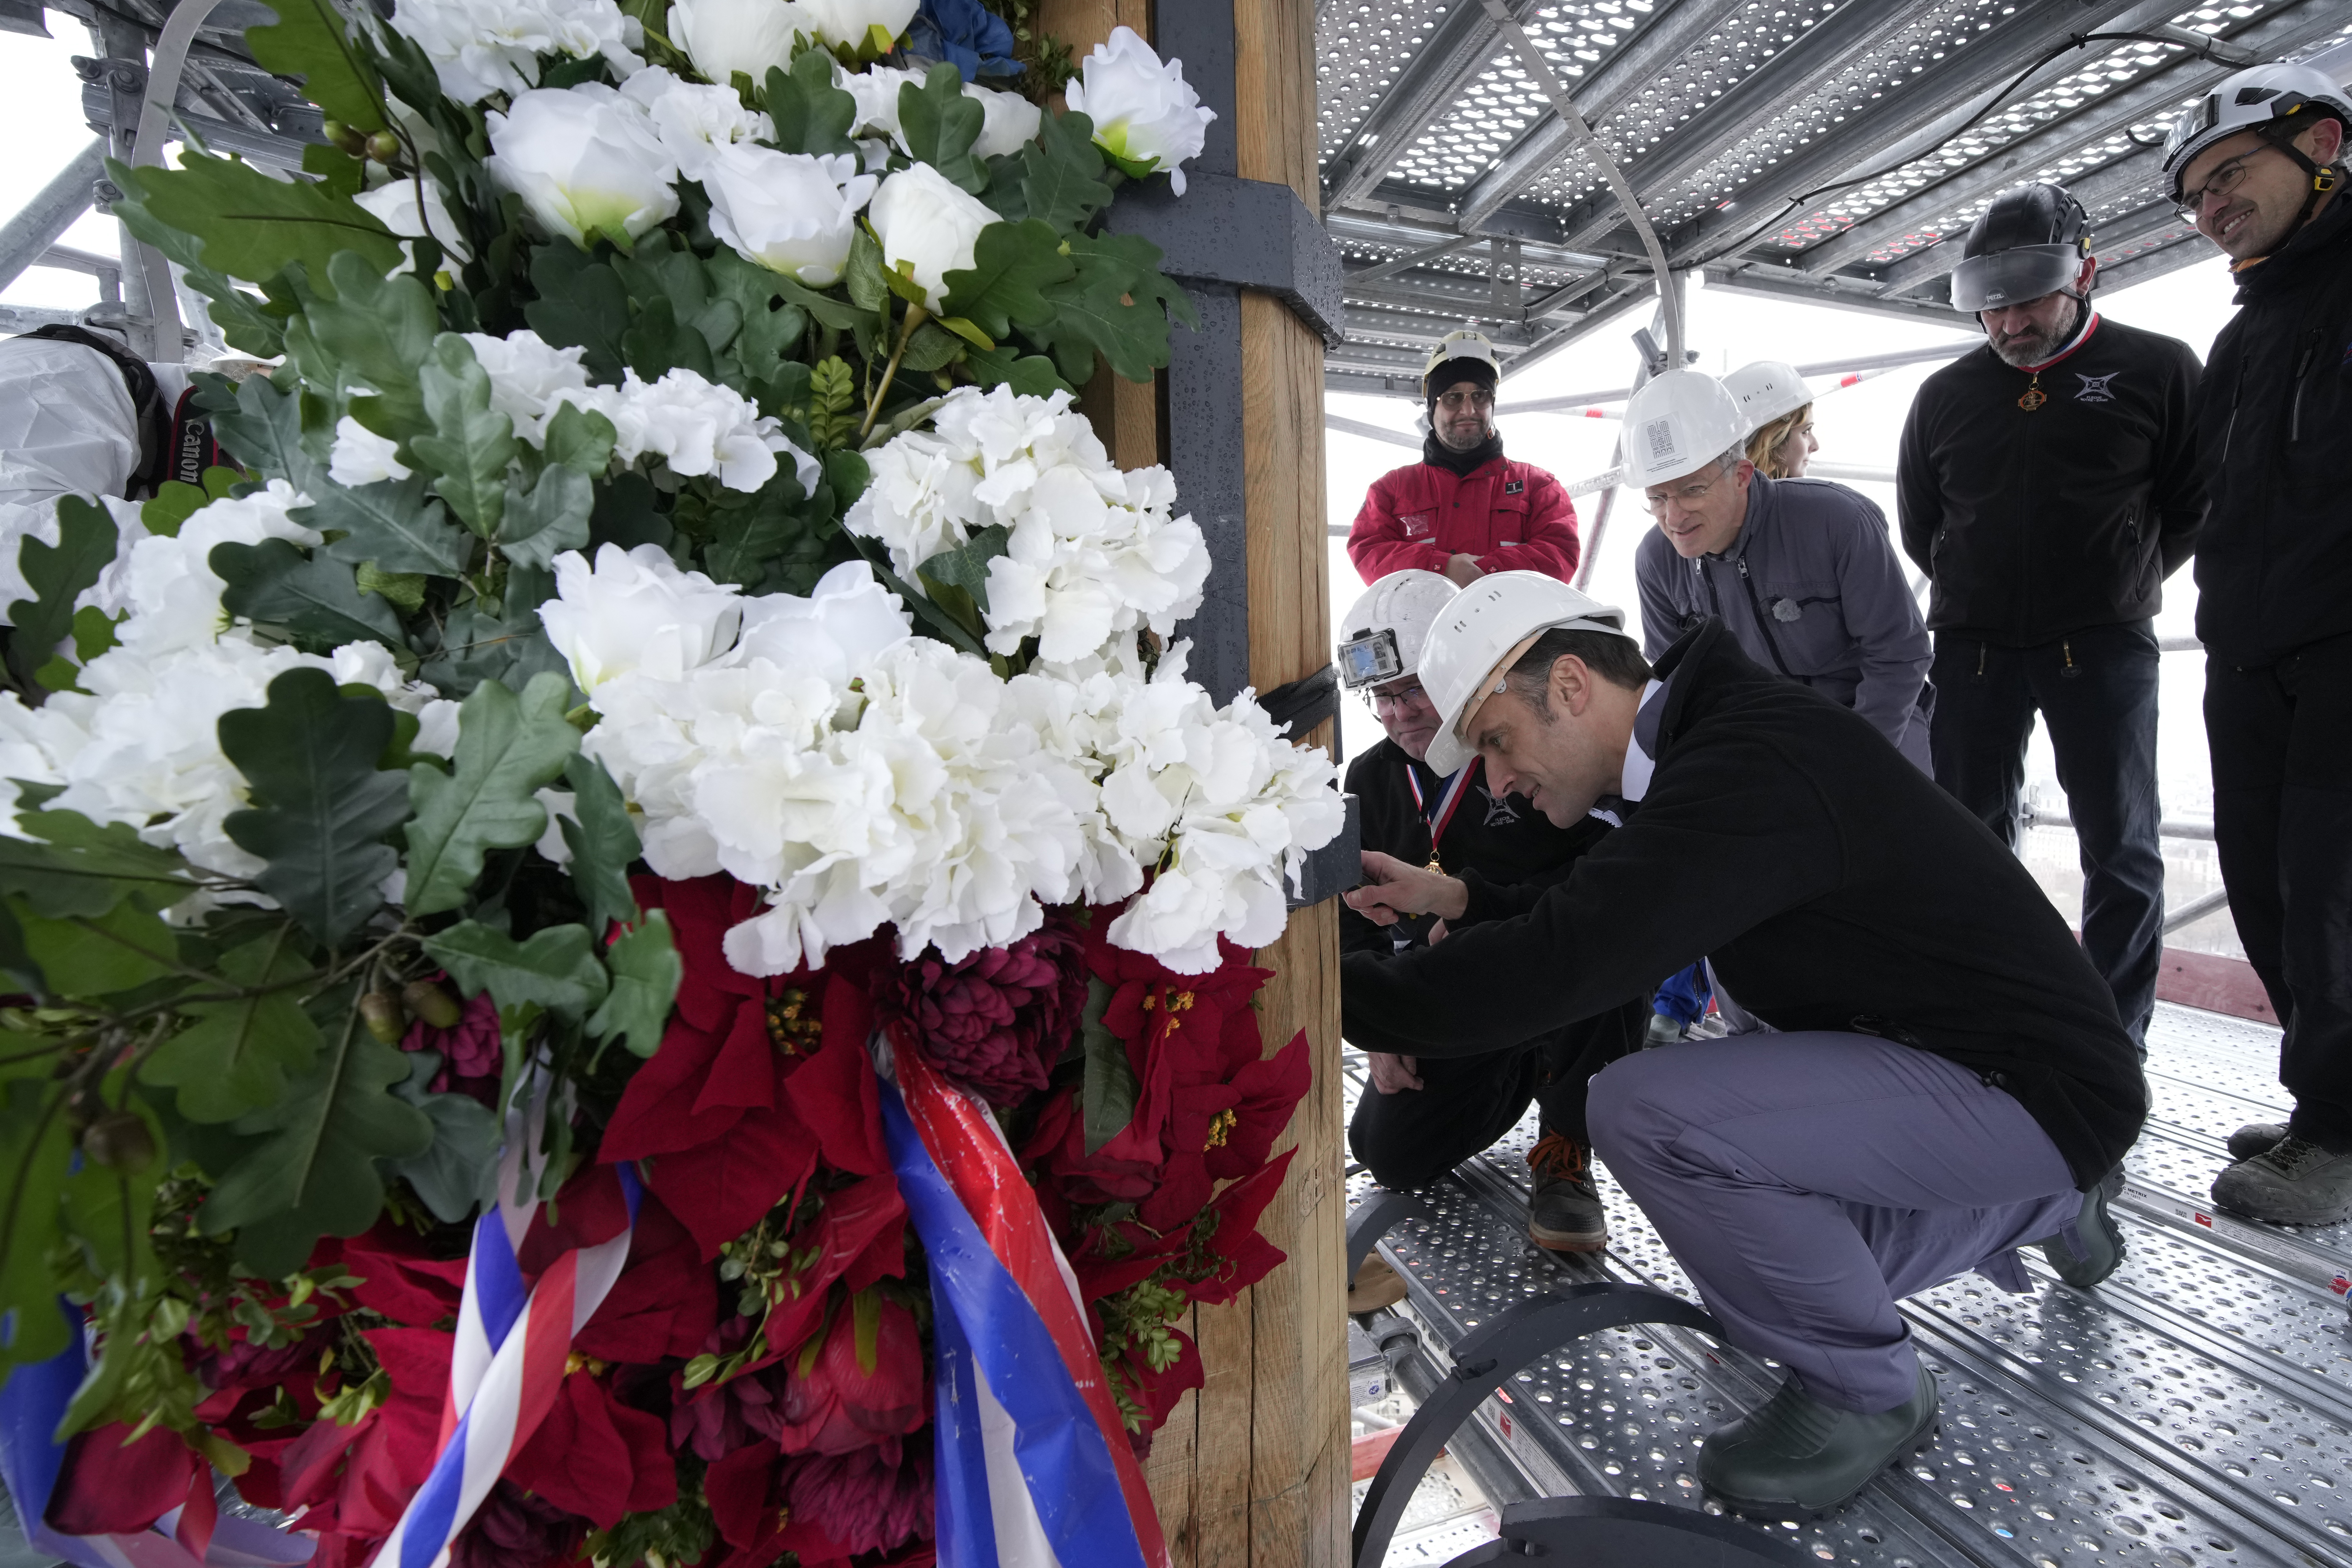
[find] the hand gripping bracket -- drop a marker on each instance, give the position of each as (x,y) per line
(1599,1532)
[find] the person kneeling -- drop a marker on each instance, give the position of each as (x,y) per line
(1950,1079)
(1420,1118)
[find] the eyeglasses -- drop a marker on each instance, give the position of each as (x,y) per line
(1685,496)
(2222,181)
(1480,398)
(1400,696)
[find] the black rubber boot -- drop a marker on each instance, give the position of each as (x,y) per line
(1565,1213)
(2294,1182)
(2256,1138)
(2096,1232)
(1795,1457)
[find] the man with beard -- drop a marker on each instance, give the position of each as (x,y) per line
(1465,510)
(2256,164)
(2048,483)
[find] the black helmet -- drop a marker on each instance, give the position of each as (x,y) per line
(2030,242)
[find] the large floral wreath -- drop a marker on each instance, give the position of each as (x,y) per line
(664,756)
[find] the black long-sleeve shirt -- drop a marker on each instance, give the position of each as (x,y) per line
(2033,523)
(1834,886)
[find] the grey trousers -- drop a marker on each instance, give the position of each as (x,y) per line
(1807,1182)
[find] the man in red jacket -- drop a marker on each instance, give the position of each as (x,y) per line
(1465,509)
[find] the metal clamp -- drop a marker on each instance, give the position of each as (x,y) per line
(1335,868)
(1619,1532)
(1254,234)
(1624,1530)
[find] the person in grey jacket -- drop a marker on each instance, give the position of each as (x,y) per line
(1802,572)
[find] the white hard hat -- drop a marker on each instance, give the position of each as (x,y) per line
(1463,343)
(2279,99)
(1767,389)
(1676,424)
(1382,633)
(1480,626)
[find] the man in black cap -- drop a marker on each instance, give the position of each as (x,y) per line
(1465,510)
(2048,484)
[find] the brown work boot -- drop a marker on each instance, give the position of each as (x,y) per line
(1377,1285)
(1565,1212)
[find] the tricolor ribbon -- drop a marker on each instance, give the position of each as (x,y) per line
(1034,1466)
(1439,819)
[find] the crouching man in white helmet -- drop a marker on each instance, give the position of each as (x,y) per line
(1424,1117)
(1950,1079)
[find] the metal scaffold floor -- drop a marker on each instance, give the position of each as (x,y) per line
(2195,1409)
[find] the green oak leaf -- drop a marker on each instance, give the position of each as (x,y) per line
(308,1167)
(581,304)
(930,349)
(479,646)
(580,438)
(1032,375)
(459,1171)
(555,969)
(394,523)
(404,590)
(1061,183)
(57,573)
(810,114)
(646,971)
(235,1057)
(471,443)
(72,865)
(659,343)
(665,269)
(98,956)
(375,333)
(940,124)
(263,430)
(1012,265)
(35,1148)
(244,323)
(1095,316)
(314,600)
(309,40)
(549,519)
(508,748)
(250,226)
(864,276)
(957,579)
(1108,1092)
(603,843)
(320,806)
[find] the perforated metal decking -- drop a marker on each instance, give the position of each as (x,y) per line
(2196,1409)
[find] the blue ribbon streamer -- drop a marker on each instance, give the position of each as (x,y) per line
(998,1335)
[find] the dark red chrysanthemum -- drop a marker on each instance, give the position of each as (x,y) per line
(469,1048)
(995,1020)
(512,1529)
(870,1500)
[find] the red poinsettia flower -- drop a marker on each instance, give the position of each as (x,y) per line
(755,1078)
(105,1486)
(853,1390)
(1222,1130)
(1242,1255)
(595,1457)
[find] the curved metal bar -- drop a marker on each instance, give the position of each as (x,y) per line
(1619,1532)
(171,60)
(1370,1220)
(1484,1360)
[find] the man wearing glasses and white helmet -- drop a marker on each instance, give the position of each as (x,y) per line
(1420,1118)
(2047,484)
(1465,510)
(1948,1080)
(2257,165)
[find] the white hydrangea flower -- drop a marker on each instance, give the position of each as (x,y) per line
(1092,552)
(360,457)
(168,585)
(527,374)
(695,426)
(482,46)
(632,610)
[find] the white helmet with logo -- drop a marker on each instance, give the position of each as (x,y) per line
(1481,626)
(1462,344)
(2278,99)
(1382,633)
(1766,390)
(1676,424)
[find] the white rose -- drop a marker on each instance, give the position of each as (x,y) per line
(583,159)
(695,426)
(930,224)
(482,46)
(848,24)
(1144,112)
(635,609)
(360,457)
(394,205)
(723,37)
(1011,122)
(695,121)
(875,89)
(789,212)
(526,374)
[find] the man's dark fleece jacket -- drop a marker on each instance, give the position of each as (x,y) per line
(1834,886)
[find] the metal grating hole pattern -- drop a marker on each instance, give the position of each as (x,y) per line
(2192,1412)
(1360,49)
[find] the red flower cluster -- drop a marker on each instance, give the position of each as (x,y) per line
(758,1379)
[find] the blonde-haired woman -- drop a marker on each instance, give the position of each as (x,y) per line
(1780,439)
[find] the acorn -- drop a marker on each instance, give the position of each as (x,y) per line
(117,1140)
(349,139)
(384,1016)
(384,146)
(427,1000)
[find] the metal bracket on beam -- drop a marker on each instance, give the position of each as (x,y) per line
(1490,1355)
(1336,867)
(1252,233)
